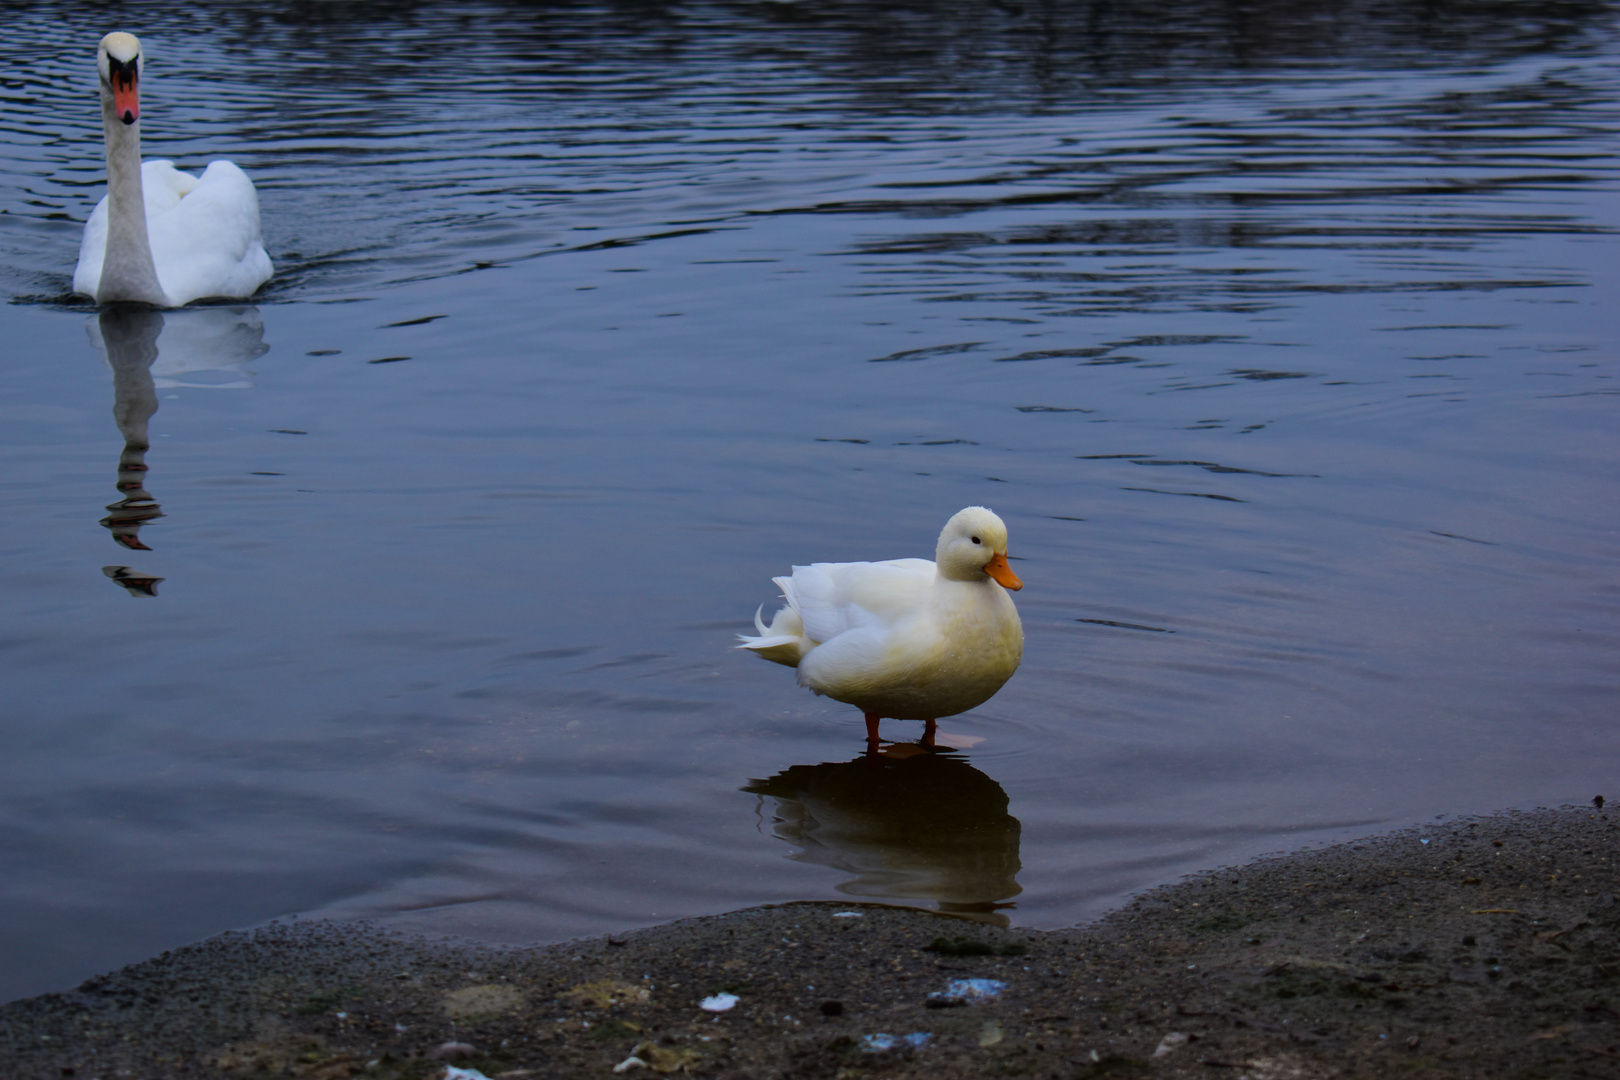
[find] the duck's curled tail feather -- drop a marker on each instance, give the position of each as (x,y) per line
(783,641)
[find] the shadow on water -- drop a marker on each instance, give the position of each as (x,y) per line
(146,349)
(921,826)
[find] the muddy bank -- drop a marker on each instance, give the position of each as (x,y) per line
(1478,948)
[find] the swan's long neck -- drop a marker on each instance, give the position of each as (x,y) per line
(127,271)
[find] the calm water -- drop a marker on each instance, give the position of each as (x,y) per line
(1285,344)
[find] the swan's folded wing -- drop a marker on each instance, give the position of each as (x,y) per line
(832,598)
(208,242)
(163,186)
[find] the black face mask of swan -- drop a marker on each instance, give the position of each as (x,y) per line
(161,236)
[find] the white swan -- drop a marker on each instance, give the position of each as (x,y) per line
(907,639)
(161,236)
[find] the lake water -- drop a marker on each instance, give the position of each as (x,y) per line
(1283,337)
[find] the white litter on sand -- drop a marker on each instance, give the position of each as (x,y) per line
(1170,1042)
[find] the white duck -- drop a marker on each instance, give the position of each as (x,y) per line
(162,236)
(907,639)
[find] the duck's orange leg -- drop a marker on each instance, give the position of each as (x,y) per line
(930,727)
(872,721)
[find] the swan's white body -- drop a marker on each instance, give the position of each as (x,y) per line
(907,639)
(161,236)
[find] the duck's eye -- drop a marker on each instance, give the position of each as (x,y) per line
(976,540)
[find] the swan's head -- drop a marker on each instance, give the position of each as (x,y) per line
(973,546)
(119,59)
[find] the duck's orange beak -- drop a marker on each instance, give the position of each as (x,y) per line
(998,569)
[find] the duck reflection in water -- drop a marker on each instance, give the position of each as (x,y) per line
(146,349)
(923,826)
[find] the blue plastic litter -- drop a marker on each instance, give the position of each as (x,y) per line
(883,1041)
(969,990)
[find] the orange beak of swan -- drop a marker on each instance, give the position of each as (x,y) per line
(998,569)
(126,91)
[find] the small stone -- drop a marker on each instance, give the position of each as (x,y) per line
(666,1059)
(832,1008)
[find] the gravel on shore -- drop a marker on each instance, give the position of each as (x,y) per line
(1485,947)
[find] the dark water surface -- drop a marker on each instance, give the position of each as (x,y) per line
(1283,337)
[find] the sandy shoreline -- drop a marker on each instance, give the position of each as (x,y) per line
(1485,947)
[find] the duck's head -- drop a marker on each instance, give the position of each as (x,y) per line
(973,546)
(119,59)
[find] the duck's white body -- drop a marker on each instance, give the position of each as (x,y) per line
(907,639)
(161,236)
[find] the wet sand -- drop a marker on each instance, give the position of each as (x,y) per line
(1484,947)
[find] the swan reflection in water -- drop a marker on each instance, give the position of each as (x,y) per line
(925,826)
(148,350)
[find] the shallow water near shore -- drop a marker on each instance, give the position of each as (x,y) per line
(1282,349)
